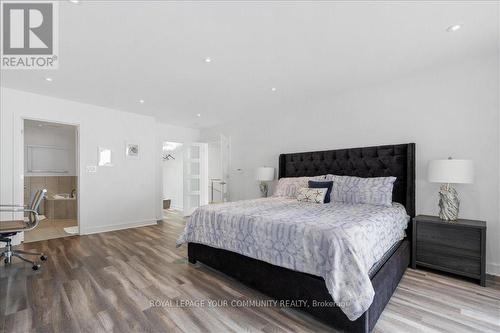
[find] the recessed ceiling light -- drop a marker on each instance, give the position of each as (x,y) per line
(453,28)
(40,125)
(48,79)
(273,89)
(141,101)
(75,1)
(198,115)
(208,59)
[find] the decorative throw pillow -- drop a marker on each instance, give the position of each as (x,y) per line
(322,184)
(375,191)
(288,186)
(314,195)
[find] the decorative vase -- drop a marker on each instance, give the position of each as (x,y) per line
(263,189)
(449,203)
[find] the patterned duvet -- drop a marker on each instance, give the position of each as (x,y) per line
(339,242)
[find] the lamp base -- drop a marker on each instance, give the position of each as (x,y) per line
(263,189)
(449,203)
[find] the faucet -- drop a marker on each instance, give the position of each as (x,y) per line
(73,192)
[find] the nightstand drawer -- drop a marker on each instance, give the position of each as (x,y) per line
(452,238)
(450,260)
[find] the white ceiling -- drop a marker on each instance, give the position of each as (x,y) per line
(113,53)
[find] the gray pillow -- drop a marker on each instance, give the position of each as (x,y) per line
(356,190)
(288,186)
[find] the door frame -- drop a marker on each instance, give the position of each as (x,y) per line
(20,159)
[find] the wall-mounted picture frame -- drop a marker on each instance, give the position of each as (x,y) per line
(104,157)
(132,150)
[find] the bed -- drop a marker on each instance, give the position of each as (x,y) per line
(285,274)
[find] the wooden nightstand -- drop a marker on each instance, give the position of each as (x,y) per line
(457,247)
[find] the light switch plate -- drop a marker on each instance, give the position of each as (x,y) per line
(91,169)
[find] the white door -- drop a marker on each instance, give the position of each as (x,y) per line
(195,176)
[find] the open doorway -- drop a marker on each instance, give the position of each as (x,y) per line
(50,162)
(194,174)
(172,187)
(185,178)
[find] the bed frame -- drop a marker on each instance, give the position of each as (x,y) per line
(285,284)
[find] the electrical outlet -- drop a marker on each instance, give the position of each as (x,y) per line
(91,169)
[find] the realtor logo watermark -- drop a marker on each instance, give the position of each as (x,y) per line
(29,35)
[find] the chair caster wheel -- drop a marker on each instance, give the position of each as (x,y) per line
(43,257)
(6,261)
(36,267)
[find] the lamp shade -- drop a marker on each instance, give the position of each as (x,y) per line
(451,171)
(265,174)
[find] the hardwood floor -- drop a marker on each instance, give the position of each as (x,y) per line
(107,282)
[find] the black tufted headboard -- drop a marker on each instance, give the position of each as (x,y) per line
(379,161)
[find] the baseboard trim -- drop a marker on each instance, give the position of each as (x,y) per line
(493,269)
(114,227)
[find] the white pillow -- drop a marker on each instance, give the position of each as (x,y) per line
(354,190)
(314,195)
(288,186)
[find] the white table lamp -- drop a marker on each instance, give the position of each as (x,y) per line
(264,174)
(449,172)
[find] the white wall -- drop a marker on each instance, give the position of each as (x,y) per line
(114,197)
(55,136)
(214,160)
(173,182)
(447,111)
